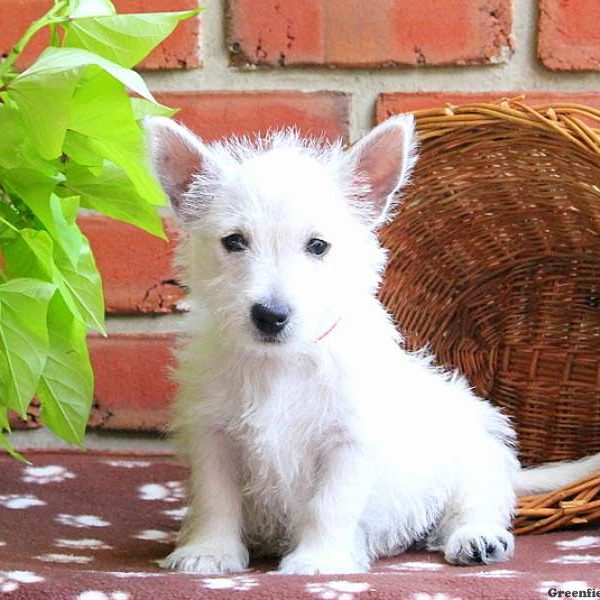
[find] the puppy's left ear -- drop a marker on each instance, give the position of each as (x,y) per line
(177,156)
(381,163)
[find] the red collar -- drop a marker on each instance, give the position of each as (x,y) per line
(326,333)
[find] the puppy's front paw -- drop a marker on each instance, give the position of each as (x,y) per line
(474,544)
(207,559)
(303,562)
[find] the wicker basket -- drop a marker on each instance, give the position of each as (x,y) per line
(495,266)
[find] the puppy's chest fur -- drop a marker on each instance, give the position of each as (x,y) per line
(284,423)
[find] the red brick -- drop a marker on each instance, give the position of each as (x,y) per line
(355,33)
(214,115)
(137,268)
(569,34)
(180,50)
(33,417)
(133,383)
(392,103)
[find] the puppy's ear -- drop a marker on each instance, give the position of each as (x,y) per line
(177,156)
(381,163)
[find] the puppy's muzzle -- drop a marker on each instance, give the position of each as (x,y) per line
(270,319)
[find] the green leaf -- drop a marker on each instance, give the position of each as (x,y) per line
(90,8)
(64,60)
(4,424)
(67,382)
(23,339)
(77,148)
(16,149)
(84,284)
(12,130)
(8,447)
(124,39)
(4,441)
(32,254)
(113,195)
(44,93)
(142,109)
(44,99)
(29,254)
(62,227)
(102,111)
(36,191)
(30,185)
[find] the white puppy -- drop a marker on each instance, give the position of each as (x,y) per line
(309,432)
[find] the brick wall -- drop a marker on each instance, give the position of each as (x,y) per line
(331,67)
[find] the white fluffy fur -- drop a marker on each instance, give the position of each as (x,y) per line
(329,452)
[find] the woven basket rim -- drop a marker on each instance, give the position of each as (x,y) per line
(565,118)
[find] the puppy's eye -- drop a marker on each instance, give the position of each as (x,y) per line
(235,242)
(317,247)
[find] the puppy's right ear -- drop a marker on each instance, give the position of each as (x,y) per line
(177,156)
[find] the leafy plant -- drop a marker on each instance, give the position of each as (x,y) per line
(70,138)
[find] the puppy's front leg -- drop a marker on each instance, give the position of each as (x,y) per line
(328,538)
(211,539)
(476,523)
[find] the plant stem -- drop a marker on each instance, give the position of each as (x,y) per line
(47,19)
(9,225)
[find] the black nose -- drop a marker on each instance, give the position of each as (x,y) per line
(270,318)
